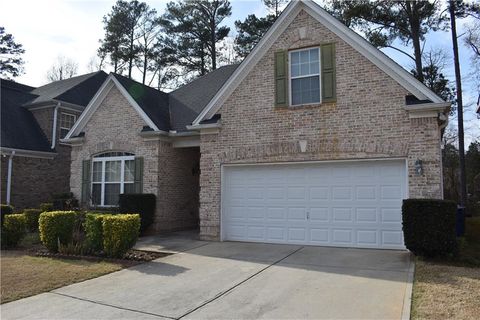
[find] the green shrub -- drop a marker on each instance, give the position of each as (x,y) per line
(13,230)
(4,210)
(46,207)
(429,227)
(56,227)
(141,203)
(31,217)
(94,231)
(120,233)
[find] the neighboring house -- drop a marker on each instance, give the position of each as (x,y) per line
(34,164)
(314,139)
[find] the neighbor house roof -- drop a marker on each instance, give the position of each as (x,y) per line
(75,91)
(19,129)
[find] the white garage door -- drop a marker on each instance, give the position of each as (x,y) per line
(348,204)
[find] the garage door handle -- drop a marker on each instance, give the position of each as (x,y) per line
(308,215)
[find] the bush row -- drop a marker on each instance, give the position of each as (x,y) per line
(112,234)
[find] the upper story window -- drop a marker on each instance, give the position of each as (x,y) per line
(67,121)
(113,173)
(304,76)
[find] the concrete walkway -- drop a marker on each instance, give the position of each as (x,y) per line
(238,280)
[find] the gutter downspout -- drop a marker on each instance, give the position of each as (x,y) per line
(444,118)
(9,176)
(54,132)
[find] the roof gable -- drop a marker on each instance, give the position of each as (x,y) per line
(112,80)
(377,57)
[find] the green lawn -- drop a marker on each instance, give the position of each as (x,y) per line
(24,275)
(450,289)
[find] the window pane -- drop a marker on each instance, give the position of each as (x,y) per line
(304,56)
(97,172)
(128,188)
(295,57)
(112,171)
(96,194)
(295,70)
(313,55)
(112,190)
(129,170)
(306,90)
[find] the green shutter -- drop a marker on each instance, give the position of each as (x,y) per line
(86,182)
(281,79)
(328,73)
(138,182)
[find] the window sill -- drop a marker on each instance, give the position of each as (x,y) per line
(307,106)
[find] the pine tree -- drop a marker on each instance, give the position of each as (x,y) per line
(10,55)
(193,30)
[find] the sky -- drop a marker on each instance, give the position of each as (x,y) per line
(51,28)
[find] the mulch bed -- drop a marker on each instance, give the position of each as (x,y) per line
(132,257)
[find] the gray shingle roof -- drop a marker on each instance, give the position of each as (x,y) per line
(19,129)
(153,102)
(77,90)
(169,111)
(188,101)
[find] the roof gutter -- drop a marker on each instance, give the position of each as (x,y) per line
(9,176)
(28,153)
(54,129)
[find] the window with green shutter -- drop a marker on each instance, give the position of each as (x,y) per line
(305,76)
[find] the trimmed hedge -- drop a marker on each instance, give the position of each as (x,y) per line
(13,230)
(93,226)
(46,206)
(4,210)
(429,227)
(56,227)
(31,217)
(120,233)
(141,203)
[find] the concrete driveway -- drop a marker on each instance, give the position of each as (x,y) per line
(228,280)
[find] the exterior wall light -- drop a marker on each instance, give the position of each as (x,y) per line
(418,167)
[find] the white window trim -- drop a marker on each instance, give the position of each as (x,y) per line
(290,78)
(102,183)
(65,128)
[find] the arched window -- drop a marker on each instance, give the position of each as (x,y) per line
(113,173)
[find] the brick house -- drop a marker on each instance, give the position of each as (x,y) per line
(34,163)
(315,138)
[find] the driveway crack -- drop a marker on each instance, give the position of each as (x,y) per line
(238,284)
(112,306)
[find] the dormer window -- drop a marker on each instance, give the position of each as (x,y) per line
(67,121)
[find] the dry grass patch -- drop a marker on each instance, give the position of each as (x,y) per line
(23,275)
(445,292)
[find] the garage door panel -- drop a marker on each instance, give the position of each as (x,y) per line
(353,204)
(367,237)
(342,215)
(366,215)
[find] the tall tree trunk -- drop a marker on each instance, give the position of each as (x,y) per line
(145,61)
(458,79)
(214,49)
(415,30)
